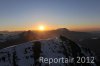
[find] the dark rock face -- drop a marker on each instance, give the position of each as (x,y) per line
(28,54)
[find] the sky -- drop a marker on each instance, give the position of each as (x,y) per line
(28,14)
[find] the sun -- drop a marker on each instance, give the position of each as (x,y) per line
(41,28)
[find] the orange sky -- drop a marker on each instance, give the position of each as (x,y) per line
(51,27)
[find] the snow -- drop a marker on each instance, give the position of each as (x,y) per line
(24,54)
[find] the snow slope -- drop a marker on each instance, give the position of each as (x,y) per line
(28,54)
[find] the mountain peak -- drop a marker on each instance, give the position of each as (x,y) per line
(63,29)
(28,54)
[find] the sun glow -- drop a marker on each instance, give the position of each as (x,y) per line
(41,28)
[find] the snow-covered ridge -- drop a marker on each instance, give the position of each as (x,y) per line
(27,54)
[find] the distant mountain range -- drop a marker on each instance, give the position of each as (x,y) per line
(13,38)
(28,53)
(90,40)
